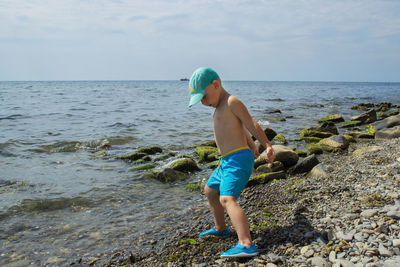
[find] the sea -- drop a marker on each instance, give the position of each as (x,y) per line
(64,194)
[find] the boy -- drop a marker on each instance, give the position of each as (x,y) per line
(232,124)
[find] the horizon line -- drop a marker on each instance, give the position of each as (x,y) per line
(178,80)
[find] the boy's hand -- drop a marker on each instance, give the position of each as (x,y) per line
(270,154)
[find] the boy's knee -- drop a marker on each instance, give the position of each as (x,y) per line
(225,200)
(210,192)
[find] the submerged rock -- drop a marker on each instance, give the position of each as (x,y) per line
(150,150)
(133,156)
(168,175)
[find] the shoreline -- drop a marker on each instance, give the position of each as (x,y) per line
(337,216)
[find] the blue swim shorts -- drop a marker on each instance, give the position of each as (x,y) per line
(233,172)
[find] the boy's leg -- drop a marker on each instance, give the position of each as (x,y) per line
(238,218)
(216,208)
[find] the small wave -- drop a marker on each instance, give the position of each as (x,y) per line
(12,117)
(74,146)
(59,147)
(275,100)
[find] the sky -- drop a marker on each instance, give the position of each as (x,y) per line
(270,40)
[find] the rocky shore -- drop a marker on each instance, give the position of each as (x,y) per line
(346,214)
(340,208)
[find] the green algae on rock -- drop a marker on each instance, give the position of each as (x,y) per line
(332,118)
(150,150)
(184,165)
(350,124)
(265,178)
(206,153)
(280,138)
(132,156)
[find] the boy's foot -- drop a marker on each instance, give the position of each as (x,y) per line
(239,251)
(213,232)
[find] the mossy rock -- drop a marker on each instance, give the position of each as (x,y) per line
(314,148)
(133,156)
(301,153)
(280,138)
(362,135)
(265,178)
(150,150)
(349,138)
(382,115)
(168,175)
(184,165)
(162,157)
(350,124)
(193,187)
(310,132)
(144,167)
(333,118)
(213,164)
(394,112)
(309,140)
(370,128)
(334,143)
(206,153)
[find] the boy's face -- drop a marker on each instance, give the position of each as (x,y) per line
(210,97)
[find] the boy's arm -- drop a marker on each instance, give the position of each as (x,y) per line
(240,110)
(251,144)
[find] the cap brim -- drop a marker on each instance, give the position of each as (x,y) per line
(195,98)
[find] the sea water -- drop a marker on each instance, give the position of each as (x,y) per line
(63,193)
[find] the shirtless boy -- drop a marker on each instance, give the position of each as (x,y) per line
(232,124)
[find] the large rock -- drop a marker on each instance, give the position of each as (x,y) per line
(388,133)
(387,123)
(285,155)
(366,117)
(305,165)
(184,165)
(387,128)
(334,143)
(319,172)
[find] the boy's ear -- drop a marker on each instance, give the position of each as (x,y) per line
(215,83)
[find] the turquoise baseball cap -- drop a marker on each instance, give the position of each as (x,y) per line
(200,79)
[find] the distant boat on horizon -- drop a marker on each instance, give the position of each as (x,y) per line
(184,80)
